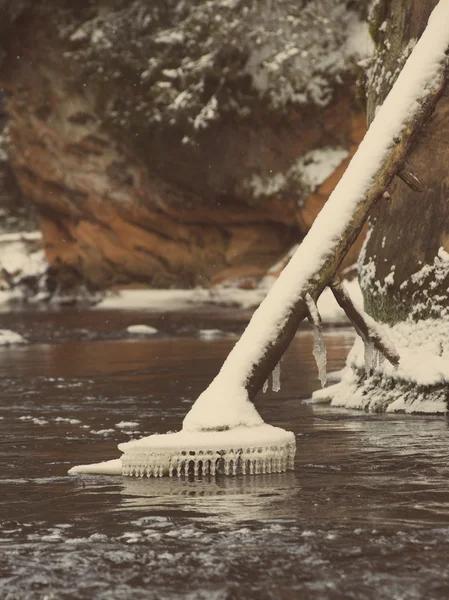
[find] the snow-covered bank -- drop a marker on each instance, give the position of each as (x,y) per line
(418,385)
(173,300)
(23,266)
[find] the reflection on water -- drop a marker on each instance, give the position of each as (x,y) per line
(224,499)
(364,515)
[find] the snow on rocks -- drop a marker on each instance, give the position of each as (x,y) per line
(417,385)
(20,256)
(8,338)
(141,330)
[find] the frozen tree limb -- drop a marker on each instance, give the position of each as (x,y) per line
(379,158)
(368,329)
(319,347)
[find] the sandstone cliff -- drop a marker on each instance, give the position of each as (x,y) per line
(175,144)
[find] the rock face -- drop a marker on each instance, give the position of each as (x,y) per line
(404,266)
(178,144)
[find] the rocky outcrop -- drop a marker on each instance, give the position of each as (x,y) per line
(169,145)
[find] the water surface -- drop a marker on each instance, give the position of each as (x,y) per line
(365,514)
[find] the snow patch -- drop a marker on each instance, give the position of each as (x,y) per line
(141,330)
(8,337)
(316,166)
(308,172)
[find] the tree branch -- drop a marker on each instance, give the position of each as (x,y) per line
(366,327)
(411,180)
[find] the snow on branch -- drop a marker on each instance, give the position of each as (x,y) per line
(368,329)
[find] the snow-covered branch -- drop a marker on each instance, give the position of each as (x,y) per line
(368,329)
(379,158)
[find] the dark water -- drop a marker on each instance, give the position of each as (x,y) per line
(365,514)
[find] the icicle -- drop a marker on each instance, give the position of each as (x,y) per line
(276,380)
(319,347)
(369,356)
(265,387)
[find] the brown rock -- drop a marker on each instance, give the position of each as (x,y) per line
(174,215)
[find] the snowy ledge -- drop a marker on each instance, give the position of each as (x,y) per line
(173,300)
(420,384)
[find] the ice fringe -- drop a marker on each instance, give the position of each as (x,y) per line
(262,449)
(319,347)
(246,460)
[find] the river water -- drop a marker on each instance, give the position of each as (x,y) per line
(365,514)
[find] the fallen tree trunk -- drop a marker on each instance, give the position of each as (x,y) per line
(380,157)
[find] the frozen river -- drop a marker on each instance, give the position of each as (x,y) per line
(365,514)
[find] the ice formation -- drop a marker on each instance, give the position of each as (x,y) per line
(417,385)
(369,356)
(276,381)
(262,449)
(319,347)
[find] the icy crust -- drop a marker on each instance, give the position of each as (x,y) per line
(419,384)
(108,467)
(263,449)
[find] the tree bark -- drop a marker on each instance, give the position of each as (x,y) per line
(401,273)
